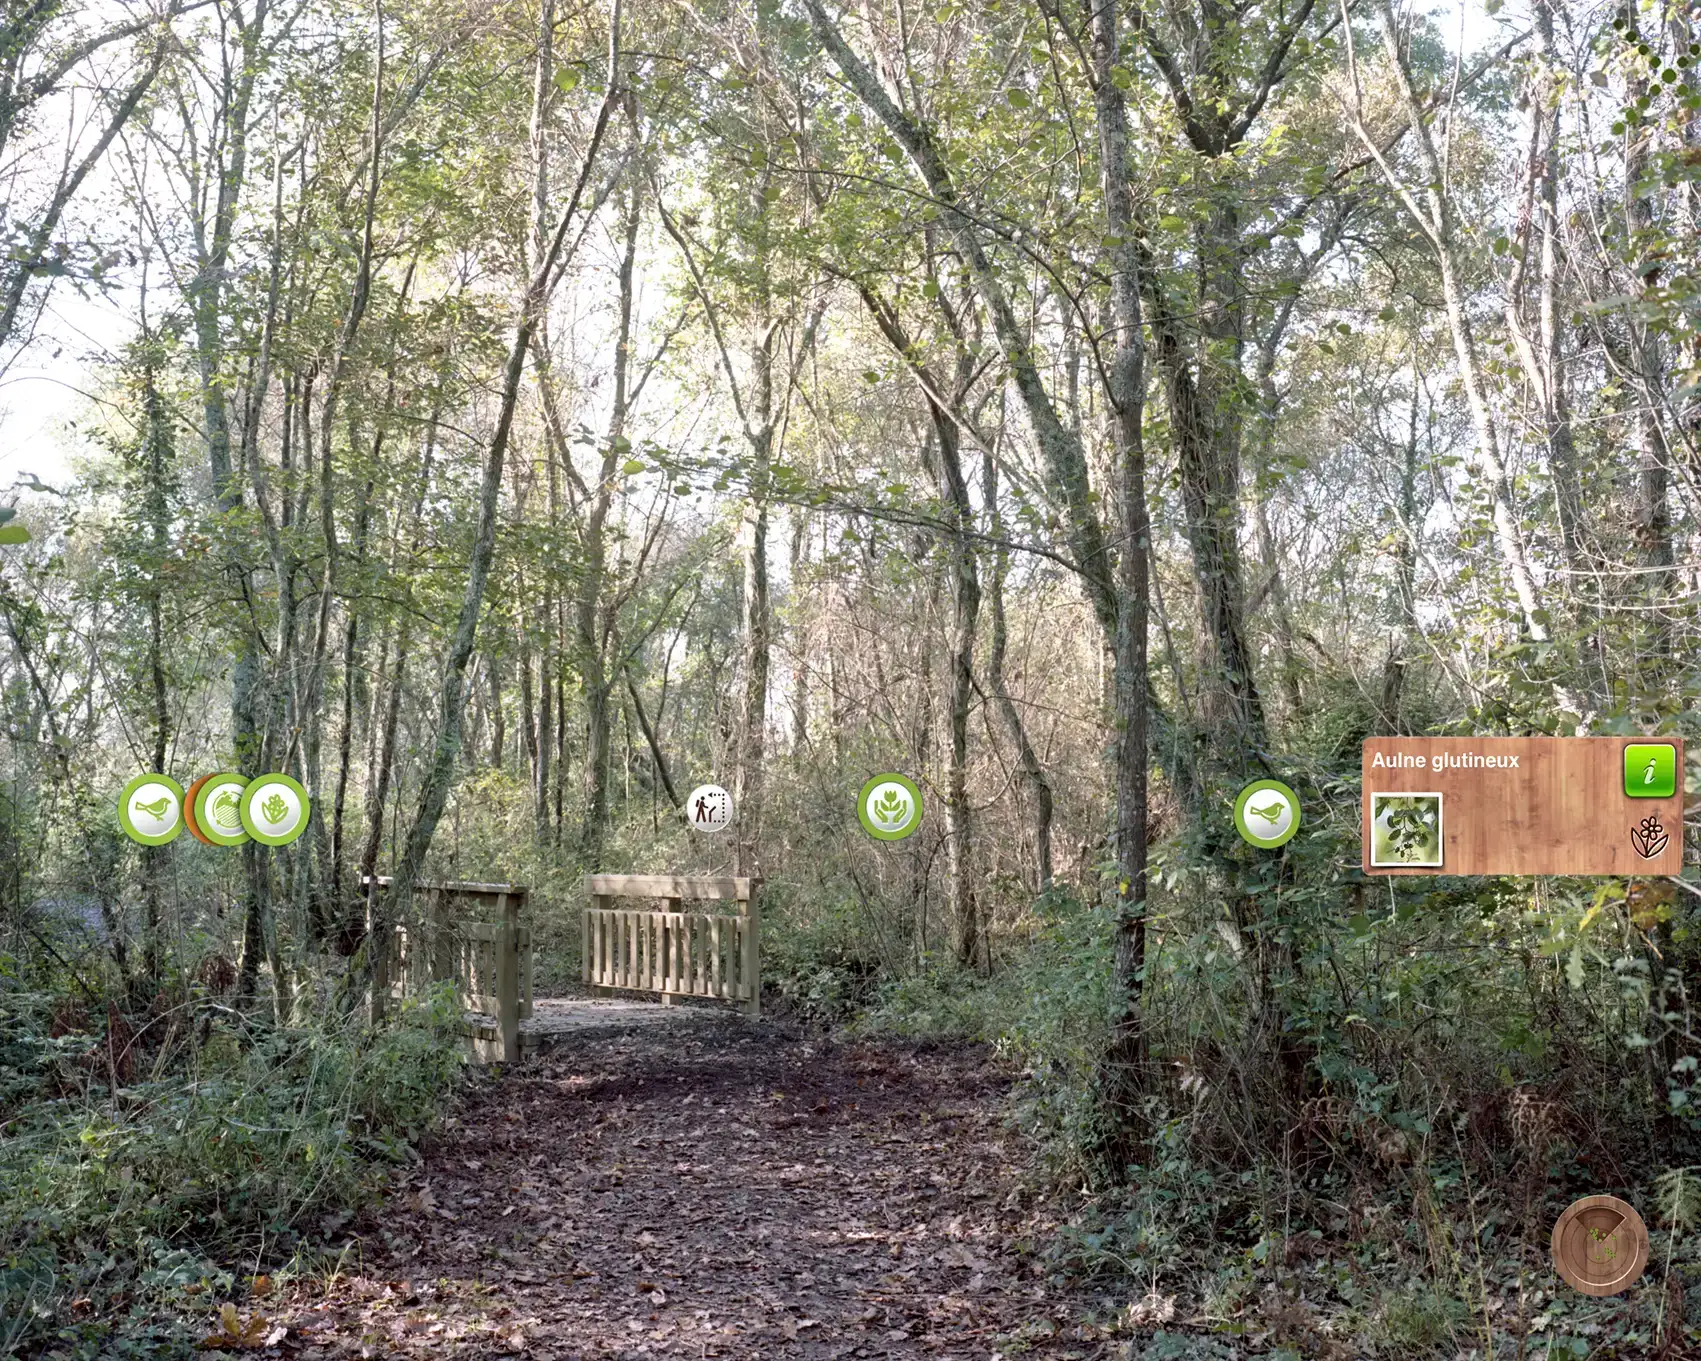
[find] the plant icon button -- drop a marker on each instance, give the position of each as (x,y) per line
(150,809)
(274,810)
(1650,770)
(1266,814)
(889,807)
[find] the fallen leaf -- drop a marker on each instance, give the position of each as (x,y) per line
(235,1335)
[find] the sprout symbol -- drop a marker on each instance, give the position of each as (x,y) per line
(892,809)
(275,809)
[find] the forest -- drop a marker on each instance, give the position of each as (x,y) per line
(505,417)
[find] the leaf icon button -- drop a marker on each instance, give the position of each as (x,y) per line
(275,809)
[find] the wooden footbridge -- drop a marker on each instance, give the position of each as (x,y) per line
(637,936)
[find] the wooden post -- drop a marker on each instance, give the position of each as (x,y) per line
(525,973)
(670,951)
(508,977)
(442,958)
(752,969)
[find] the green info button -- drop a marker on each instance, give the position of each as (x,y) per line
(1650,770)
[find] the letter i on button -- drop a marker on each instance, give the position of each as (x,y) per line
(1650,770)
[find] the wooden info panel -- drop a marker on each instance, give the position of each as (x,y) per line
(1561,810)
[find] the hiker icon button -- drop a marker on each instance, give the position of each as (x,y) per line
(1266,814)
(1600,1245)
(708,808)
(215,809)
(274,810)
(150,810)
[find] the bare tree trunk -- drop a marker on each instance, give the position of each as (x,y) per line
(755,612)
(653,742)
(1651,509)
(964,578)
(206,301)
(1405,573)
(1028,765)
(26,259)
(1060,448)
(1128,1058)
(800,635)
(363,915)
(528,701)
(333,907)
(440,772)
(156,455)
(498,725)
(541,780)
(1433,214)
(593,616)
(378,779)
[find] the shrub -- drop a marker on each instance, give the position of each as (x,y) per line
(241,1147)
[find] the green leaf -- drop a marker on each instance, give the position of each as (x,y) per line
(6,513)
(1018,98)
(14,534)
(1171,223)
(771,193)
(632,467)
(566,79)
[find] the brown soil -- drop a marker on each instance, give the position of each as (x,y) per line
(707,1190)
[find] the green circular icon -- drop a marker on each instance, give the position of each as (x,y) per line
(150,810)
(1266,814)
(218,809)
(889,807)
(274,809)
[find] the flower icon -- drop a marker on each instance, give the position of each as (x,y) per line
(1649,837)
(275,809)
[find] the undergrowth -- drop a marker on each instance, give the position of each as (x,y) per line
(1394,1199)
(147,1164)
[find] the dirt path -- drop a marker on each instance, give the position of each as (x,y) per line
(708,1190)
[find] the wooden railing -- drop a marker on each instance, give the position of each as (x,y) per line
(489,961)
(672,951)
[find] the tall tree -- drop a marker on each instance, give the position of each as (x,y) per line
(451,704)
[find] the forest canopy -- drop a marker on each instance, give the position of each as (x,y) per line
(503,418)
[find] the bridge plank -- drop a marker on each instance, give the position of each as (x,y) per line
(672,886)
